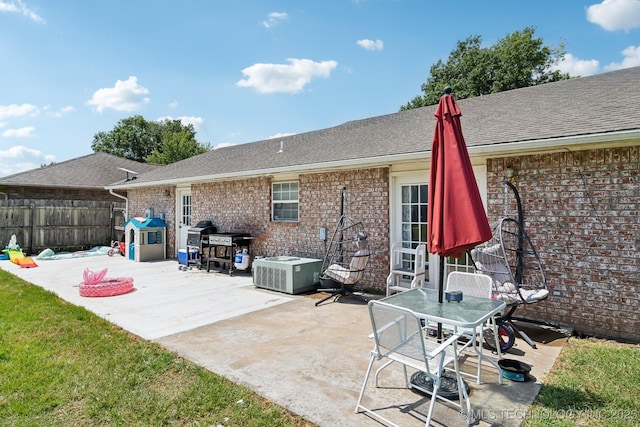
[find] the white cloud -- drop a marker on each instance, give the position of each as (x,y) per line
(19,159)
(615,15)
(126,95)
(577,67)
(24,132)
(371,44)
(173,105)
(197,122)
(286,78)
(274,18)
(61,112)
(20,7)
(15,110)
(631,59)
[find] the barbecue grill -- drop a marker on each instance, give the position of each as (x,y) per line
(195,235)
(221,248)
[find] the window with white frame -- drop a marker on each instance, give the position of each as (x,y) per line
(285,201)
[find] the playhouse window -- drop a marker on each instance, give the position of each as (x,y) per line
(154,237)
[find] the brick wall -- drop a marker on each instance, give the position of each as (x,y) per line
(245,206)
(581,210)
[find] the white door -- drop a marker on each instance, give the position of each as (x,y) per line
(183,216)
(409,213)
(408,205)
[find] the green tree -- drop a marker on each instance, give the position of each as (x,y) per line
(518,60)
(132,138)
(141,140)
(176,146)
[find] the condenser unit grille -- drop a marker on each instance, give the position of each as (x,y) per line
(271,278)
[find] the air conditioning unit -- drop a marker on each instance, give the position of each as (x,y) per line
(291,275)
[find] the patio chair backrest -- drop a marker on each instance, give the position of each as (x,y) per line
(472,284)
(397,331)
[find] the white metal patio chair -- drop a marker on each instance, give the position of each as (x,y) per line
(481,286)
(399,337)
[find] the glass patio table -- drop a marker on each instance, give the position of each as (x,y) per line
(470,313)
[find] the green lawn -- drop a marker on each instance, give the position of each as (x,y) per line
(61,365)
(593,383)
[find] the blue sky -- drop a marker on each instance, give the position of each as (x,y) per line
(242,71)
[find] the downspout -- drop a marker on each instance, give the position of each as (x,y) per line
(126,203)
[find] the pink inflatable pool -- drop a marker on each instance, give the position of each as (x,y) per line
(96,285)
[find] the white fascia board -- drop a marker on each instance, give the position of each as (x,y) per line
(555,144)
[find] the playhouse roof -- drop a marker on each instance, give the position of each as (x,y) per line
(145,223)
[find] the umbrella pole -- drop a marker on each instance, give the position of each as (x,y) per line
(423,383)
(440,292)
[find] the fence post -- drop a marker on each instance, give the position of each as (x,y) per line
(33,226)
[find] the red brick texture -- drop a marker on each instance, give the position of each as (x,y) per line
(245,206)
(581,210)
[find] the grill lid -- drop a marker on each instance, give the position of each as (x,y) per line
(203,227)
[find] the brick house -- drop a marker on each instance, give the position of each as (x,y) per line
(574,146)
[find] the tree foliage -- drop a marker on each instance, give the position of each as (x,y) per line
(518,60)
(160,142)
(176,146)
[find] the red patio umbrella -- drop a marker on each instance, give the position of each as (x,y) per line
(456,217)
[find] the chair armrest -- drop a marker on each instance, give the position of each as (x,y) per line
(443,346)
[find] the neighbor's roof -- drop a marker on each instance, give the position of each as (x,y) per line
(595,105)
(93,171)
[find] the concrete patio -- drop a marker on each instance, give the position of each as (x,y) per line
(310,360)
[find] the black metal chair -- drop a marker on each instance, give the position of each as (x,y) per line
(346,260)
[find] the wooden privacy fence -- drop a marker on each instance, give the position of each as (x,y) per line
(60,225)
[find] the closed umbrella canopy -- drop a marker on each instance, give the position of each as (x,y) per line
(456,217)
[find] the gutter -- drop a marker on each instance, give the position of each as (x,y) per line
(485,150)
(626,137)
(126,203)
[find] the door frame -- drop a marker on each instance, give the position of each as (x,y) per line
(181,232)
(421,177)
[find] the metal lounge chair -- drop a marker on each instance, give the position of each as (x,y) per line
(400,338)
(512,263)
(346,259)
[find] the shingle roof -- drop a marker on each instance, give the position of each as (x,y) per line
(95,171)
(597,104)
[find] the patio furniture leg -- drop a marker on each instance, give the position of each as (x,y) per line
(364,384)
(380,369)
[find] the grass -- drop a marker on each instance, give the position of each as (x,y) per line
(593,383)
(61,365)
